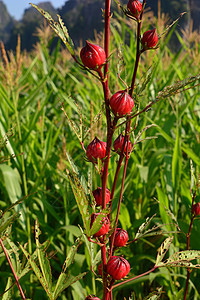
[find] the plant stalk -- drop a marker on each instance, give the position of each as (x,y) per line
(13,271)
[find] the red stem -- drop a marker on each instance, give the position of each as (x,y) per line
(13,271)
(136,277)
(110,131)
(188,248)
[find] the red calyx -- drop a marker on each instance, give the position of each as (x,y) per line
(105,225)
(196,209)
(118,144)
(121,103)
(98,196)
(92,297)
(121,237)
(96,149)
(135,8)
(92,56)
(118,267)
(149,39)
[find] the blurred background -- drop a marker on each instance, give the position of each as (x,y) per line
(82,18)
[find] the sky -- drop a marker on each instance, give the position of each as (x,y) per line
(17,7)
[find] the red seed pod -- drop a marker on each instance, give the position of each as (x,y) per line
(118,267)
(196,209)
(118,144)
(121,237)
(105,225)
(100,269)
(149,39)
(121,103)
(96,149)
(92,297)
(92,56)
(135,7)
(98,196)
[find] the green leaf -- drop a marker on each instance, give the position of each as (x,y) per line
(182,259)
(163,250)
(4,223)
(141,231)
(43,259)
(81,200)
(97,224)
(64,282)
(59,28)
(9,294)
(12,182)
(176,162)
(37,271)
(71,254)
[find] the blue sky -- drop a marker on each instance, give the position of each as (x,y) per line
(16,7)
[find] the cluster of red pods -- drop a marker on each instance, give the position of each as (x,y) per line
(121,104)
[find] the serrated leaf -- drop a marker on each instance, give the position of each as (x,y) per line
(37,272)
(8,294)
(64,283)
(97,224)
(182,259)
(143,226)
(43,259)
(163,250)
(9,220)
(81,200)
(59,28)
(71,254)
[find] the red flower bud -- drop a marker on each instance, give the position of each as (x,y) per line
(121,237)
(98,196)
(196,209)
(118,267)
(105,225)
(92,297)
(135,7)
(121,103)
(92,56)
(96,149)
(118,144)
(149,39)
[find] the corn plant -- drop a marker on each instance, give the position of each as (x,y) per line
(123,121)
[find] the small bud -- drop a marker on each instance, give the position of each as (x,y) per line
(98,196)
(121,103)
(118,267)
(121,237)
(196,209)
(92,297)
(149,39)
(118,144)
(105,225)
(135,8)
(96,149)
(92,56)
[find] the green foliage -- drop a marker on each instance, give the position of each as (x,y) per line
(157,198)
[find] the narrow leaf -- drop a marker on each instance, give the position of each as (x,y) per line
(43,260)
(65,284)
(36,271)
(182,259)
(163,250)
(59,28)
(71,254)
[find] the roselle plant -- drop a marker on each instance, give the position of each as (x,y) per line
(122,112)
